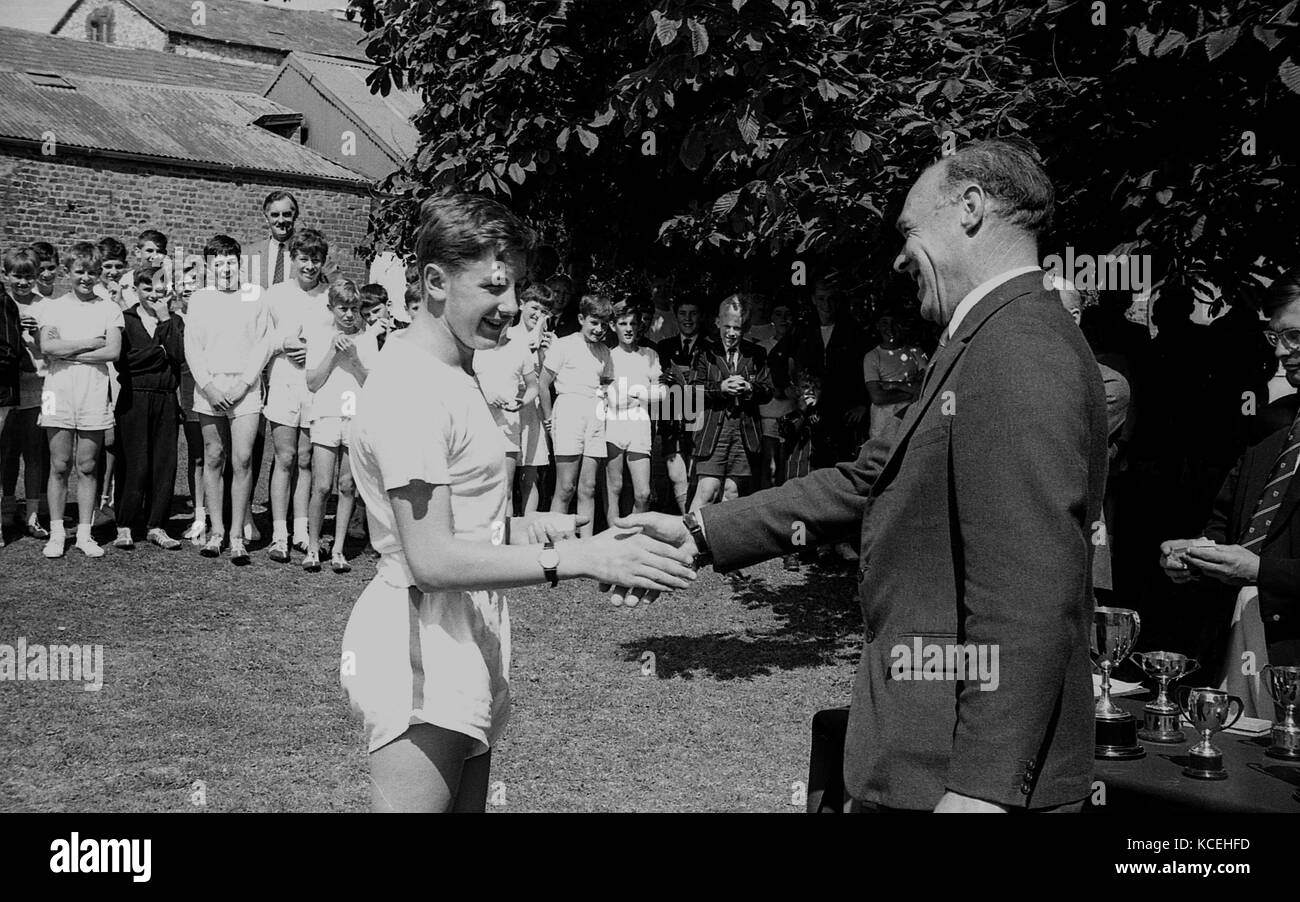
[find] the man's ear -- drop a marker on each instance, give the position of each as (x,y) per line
(434,282)
(974,207)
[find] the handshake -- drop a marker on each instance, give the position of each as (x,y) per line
(639,557)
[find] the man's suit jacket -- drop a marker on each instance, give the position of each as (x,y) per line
(261,262)
(1279,555)
(711,369)
(976,516)
(678,367)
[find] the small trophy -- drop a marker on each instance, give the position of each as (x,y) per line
(1160,717)
(1208,710)
(1283,686)
(1114,632)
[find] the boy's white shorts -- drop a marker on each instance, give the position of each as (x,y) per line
(331,431)
(578,427)
(77,397)
(251,402)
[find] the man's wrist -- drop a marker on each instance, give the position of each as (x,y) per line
(695,526)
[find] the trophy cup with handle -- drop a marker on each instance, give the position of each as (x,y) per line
(1114,632)
(1160,717)
(1283,686)
(1210,711)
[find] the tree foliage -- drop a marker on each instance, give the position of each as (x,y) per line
(736,136)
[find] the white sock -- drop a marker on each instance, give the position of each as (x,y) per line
(57,528)
(201,514)
(279,529)
(300,527)
(83,532)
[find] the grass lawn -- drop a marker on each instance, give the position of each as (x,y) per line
(229,676)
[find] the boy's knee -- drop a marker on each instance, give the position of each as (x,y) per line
(86,466)
(303,459)
(642,498)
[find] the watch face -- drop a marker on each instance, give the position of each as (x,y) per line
(549,559)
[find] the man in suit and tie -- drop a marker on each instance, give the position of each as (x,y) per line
(678,355)
(736,382)
(268,257)
(1255,528)
(976,518)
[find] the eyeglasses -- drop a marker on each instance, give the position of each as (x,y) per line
(1289,338)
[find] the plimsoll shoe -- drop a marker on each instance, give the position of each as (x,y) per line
(212,547)
(238,553)
(279,551)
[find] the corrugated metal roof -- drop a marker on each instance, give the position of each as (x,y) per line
(388,117)
(22,50)
(183,124)
(265,24)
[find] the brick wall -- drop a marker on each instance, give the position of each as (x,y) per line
(130,29)
(73,198)
(186,45)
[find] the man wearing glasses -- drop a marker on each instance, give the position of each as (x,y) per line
(1252,540)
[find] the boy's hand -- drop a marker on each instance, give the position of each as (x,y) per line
(733,385)
(295,349)
(344,344)
(215,397)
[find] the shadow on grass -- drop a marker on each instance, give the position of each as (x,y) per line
(822,626)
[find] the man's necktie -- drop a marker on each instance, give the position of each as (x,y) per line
(279,264)
(1279,479)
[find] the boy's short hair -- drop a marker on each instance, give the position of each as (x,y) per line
(458,228)
(84,253)
(686,300)
(538,293)
(221,246)
(157,237)
(148,274)
(597,305)
(45,251)
(111,249)
(737,303)
(372,294)
(627,308)
(413,295)
(21,261)
(343,290)
(310,242)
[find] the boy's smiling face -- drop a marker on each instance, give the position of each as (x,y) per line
(533,310)
(306,269)
(47,272)
(593,327)
(347,314)
(477,303)
(688,319)
(84,275)
(111,270)
(149,254)
(225,272)
(731,327)
(625,329)
(21,284)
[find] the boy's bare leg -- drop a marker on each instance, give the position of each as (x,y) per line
(529,489)
(587,493)
(243,431)
(323,459)
(216,439)
(566,482)
(613,483)
(60,464)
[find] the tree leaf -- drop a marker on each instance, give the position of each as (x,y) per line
(1171,42)
(665,28)
(724,204)
(604,118)
(1289,72)
(692,152)
(1217,43)
(699,37)
(562,139)
(748,125)
(861,141)
(588,139)
(549,58)
(1145,40)
(1267,36)
(517,173)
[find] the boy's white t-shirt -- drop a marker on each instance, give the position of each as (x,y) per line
(294,314)
(501,370)
(419,419)
(578,365)
(636,372)
(78,320)
(340,395)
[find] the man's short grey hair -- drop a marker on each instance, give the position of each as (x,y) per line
(1011,176)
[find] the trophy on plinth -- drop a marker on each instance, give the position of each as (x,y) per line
(1160,716)
(1209,711)
(1113,634)
(1283,686)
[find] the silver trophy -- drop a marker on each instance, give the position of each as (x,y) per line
(1209,711)
(1283,686)
(1113,634)
(1160,716)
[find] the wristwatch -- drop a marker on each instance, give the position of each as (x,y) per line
(703,555)
(550,561)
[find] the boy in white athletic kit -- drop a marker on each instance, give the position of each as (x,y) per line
(579,368)
(227,342)
(426,653)
(296,306)
(80,333)
(338,359)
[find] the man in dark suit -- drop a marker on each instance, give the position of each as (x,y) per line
(976,518)
(1255,523)
(736,381)
(268,256)
(678,355)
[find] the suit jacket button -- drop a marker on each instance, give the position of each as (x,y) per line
(1024,789)
(870,636)
(1277,617)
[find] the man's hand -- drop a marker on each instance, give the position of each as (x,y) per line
(854,416)
(1229,564)
(955,803)
(1172,562)
(664,527)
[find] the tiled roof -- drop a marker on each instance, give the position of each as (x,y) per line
(388,118)
(31,51)
(260,24)
(180,124)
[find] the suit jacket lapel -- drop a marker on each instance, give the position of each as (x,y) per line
(946,358)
